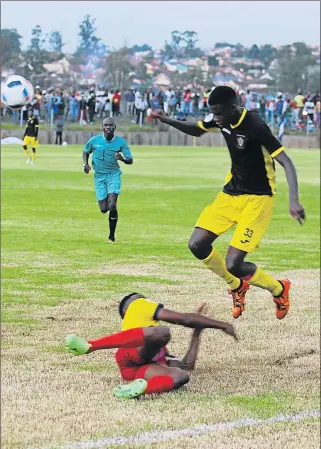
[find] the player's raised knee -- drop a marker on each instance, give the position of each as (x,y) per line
(104,210)
(232,266)
(159,335)
(194,246)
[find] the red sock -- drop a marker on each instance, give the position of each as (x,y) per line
(159,384)
(132,338)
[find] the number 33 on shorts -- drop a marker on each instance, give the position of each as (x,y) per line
(247,234)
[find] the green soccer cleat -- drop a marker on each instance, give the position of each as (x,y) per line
(131,390)
(77,345)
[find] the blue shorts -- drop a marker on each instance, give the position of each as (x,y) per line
(106,184)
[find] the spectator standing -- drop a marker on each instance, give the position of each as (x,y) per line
(59,129)
(317,113)
(300,103)
(91,107)
(187,102)
(141,108)
(309,109)
(82,114)
(168,96)
(107,108)
(195,104)
(116,103)
(262,111)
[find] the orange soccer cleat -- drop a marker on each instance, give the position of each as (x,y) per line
(282,302)
(239,299)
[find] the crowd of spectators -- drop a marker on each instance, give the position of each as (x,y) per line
(52,105)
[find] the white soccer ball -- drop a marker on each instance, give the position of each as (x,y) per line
(64,144)
(16,92)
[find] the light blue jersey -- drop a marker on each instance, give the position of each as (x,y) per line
(104,153)
(104,162)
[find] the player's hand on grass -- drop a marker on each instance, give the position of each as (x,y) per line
(87,168)
(297,211)
(230,330)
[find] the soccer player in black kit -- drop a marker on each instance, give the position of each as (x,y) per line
(31,137)
(246,200)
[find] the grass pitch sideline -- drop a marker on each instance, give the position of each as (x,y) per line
(60,276)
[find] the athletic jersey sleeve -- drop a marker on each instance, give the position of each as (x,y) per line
(141,313)
(269,141)
(208,124)
(126,150)
(36,124)
(88,148)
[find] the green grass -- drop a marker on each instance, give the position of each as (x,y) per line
(59,274)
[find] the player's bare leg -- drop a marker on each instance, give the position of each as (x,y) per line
(252,274)
(113,216)
(201,245)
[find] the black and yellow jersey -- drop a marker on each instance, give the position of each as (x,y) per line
(32,127)
(252,147)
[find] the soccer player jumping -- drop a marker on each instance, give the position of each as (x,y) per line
(246,200)
(142,356)
(107,150)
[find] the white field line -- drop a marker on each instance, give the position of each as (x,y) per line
(156,437)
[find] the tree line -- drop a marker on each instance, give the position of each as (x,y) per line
(296,67)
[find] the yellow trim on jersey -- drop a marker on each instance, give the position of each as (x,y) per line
(276,152)
(228,177)
(270,171)
(241,119)
(200,125)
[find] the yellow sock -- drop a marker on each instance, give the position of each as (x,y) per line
(33,156)
(216,263)
(264,280)
(27,152)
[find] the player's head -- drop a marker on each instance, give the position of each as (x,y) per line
(30,112)
(109,127)
(124,303)
(223,104)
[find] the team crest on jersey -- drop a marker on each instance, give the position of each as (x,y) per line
(240,141)
(209,118)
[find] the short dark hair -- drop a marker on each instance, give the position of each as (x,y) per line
(124,300)
(222,95)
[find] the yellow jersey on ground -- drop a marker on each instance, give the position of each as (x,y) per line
(141,313)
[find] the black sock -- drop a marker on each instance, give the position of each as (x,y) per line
(113,218)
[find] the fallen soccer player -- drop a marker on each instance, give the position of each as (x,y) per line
(142,355)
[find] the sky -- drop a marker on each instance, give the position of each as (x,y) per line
(139,22)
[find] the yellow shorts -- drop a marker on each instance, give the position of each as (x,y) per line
(28,140)
(251,214)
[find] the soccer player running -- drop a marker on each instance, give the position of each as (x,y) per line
(142,357)
(30,137)
(246,200)
(107,150)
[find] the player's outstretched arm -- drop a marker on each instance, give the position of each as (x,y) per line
(296,210)
(190,128)
(195,321)
(189,360)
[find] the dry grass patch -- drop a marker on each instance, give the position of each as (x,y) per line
(50,397)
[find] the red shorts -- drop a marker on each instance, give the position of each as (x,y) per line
(132,366)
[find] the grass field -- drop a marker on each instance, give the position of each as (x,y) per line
(59,275)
